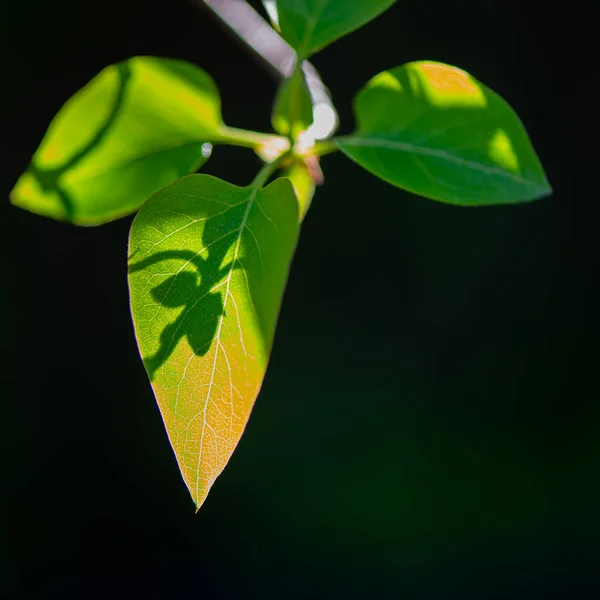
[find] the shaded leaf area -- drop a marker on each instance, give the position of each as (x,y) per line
(311,25)
(436,131)
(207,269)
(136,127)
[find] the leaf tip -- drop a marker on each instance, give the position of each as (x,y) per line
(199,500)
(12,198)
(543,189)
(15,198)
(546,189)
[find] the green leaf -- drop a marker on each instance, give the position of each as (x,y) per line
(310,25)
(207,269)
(436,131)
(292,109)
(136,127)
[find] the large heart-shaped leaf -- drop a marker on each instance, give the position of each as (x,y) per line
(136,127)
(310,25)
(436,131)
(207,268)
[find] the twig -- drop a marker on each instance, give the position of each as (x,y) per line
(249,27)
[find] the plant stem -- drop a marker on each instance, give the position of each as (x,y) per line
(323,147)
(248,139)
(266,171)
(250,28)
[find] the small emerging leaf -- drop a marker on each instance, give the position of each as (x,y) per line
(304,186)
(436,131)
(136,127)
(207,268)
(310,25)
(292,110)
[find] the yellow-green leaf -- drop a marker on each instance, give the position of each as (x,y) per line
(207,269)
(434,130)
(304,186)
(136,127)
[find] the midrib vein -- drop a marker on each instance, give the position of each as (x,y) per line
(375,142)
(252,197)
(91,174)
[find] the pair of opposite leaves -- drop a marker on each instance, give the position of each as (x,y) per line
(208,260)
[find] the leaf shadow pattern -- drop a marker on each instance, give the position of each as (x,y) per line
(48,179)
(197,291)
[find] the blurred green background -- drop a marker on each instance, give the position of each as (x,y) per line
(429,424)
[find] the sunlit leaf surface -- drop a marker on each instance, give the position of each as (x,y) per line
(310,25)
(136,127)
(207,268)
(436,131)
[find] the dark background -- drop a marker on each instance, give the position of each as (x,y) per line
(429,424)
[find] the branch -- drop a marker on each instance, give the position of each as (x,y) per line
(256,33)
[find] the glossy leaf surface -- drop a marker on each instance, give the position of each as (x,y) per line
(310,25)
(207,269)
(136,127)
(436,131)
(292,109)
